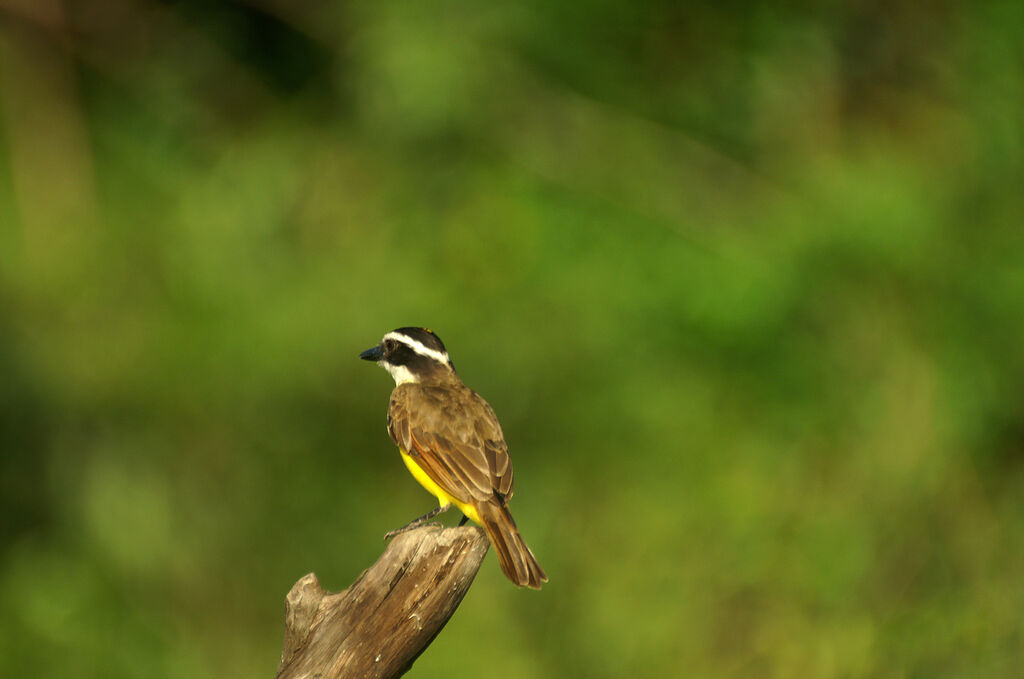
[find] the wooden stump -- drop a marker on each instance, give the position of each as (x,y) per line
(389,615)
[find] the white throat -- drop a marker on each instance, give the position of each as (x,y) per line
(401,374)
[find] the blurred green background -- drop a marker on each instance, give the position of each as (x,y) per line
(744,282)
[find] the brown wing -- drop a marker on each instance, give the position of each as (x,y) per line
(454,436)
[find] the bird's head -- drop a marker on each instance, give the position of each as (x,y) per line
(412,355)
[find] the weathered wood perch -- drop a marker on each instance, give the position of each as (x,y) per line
(389,615)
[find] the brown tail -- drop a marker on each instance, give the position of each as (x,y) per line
(517,561)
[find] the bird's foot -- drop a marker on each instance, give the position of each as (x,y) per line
(416,523)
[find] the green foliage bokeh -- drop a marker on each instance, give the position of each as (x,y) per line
(744,283)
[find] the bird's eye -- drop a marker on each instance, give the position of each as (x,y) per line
(389,345)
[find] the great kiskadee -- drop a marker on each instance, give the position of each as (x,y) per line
(450,440)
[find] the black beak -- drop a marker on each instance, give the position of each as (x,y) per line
(373,354)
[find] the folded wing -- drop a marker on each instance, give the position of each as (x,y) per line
(454,436)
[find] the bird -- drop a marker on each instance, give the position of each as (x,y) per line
(452,443)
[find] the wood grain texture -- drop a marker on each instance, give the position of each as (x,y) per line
(389,615)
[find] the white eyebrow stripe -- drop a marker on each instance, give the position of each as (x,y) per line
(419,347)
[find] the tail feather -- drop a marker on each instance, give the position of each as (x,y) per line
(516,560)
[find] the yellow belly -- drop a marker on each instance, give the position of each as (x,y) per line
(444,498)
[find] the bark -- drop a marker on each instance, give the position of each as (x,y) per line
(389,615)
